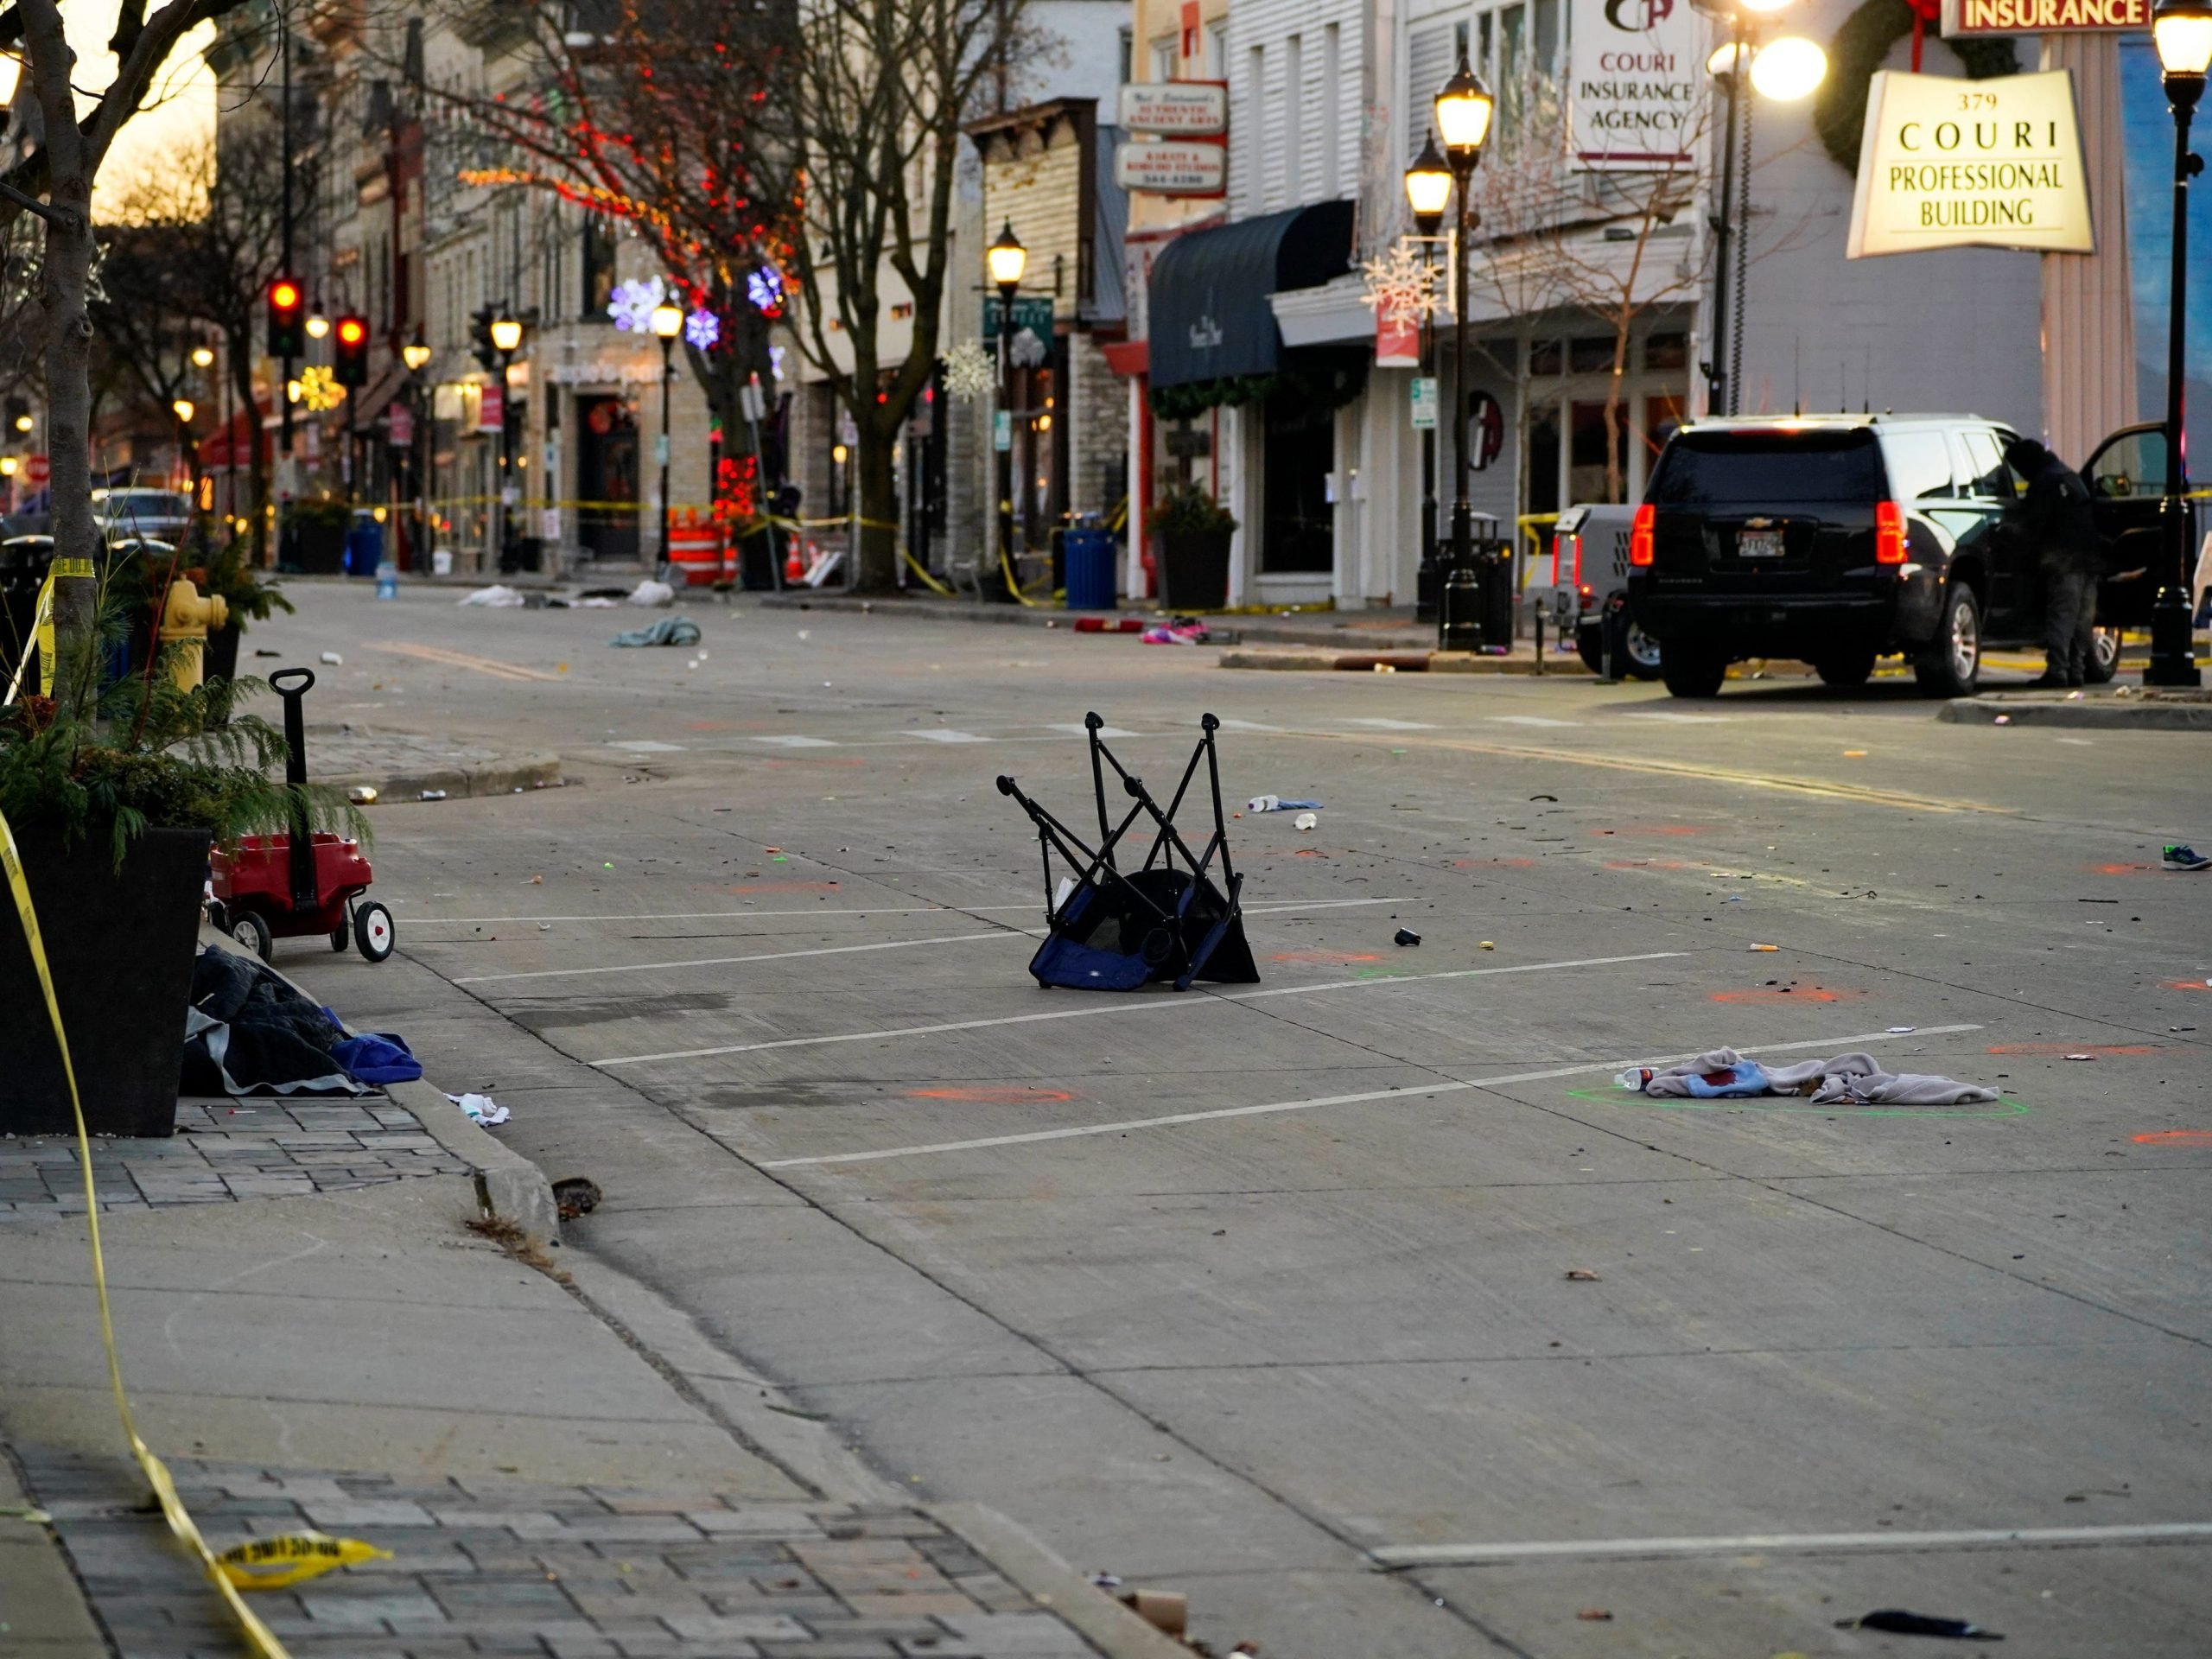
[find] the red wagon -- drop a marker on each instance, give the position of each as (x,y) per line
(271,888)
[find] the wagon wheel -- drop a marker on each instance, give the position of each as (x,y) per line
(374,930)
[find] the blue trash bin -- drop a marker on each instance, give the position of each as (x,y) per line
(363,545)
(1091,569)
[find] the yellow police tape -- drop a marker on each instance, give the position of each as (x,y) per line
(258,1635)
(292,1558)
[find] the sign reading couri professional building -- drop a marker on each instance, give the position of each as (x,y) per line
(1949,163)
(1634,84)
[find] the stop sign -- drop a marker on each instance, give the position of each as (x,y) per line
(35,471)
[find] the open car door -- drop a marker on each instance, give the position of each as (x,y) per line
(2126,478)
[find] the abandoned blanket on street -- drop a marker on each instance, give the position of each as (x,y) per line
(1846,1079)
(248,1032)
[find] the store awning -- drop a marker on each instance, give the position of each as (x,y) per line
(369,403)
(1209,315)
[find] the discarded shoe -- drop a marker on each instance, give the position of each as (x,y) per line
(2182,856)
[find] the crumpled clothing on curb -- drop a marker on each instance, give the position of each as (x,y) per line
(669,631)
(498,596)
(650,592)
(481,1108)
(1846,1079)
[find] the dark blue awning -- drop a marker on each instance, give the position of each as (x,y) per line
(1209,315)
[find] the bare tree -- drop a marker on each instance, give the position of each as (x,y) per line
(655,113)
(876,92)
(75,145)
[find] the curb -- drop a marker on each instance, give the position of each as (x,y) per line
(508,1185)
(1114,1630)
(506,777)
(2134,715)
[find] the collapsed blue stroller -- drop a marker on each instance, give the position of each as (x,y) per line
(1115,930)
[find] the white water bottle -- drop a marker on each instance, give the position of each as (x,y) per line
(1635,1077)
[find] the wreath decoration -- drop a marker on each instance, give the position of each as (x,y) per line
(1864,39)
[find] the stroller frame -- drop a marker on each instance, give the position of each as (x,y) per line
(1169,919)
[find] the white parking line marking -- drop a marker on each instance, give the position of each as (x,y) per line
(768,956)
(941,734)
(796,742)
(1529,720)
(1750,1542)
(1247,726)
(1080,731)
(1417,1091)
(856,909)
(1394,725)
(647,745)
(1679,720)
(1125,1006)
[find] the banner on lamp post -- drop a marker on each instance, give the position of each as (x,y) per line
(1949,163)
(1635,79)
(1397,341)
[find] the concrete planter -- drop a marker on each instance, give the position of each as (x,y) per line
(120,943)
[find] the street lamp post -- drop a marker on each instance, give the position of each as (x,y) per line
(2182,29)
(1428,192)
(1007,259)
(187,452)
(1464,107)
(506,339)
(415,354)
(668,322)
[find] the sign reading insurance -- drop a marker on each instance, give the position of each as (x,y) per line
(1634,84)
(1949,164)
(2042,16)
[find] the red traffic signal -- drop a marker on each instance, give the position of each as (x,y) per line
(350,359)
(287,339)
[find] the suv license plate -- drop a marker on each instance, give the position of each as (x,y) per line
(1758,543)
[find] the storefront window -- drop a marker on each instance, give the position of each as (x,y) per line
(1591,354)
(1668,351)
(1298,534)
(1542,490)
(1663,413)
(1586,475)
(1545,357)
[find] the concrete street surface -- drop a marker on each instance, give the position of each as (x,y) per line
(1263,1294)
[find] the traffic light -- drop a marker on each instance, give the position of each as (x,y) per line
(350,358)
(479,336)
(287,309)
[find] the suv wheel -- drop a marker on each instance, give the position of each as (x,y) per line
(1949,664)
(1691,670)
(1845,670)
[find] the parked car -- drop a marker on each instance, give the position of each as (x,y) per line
(1590,554)
(1844,538)
(124,513)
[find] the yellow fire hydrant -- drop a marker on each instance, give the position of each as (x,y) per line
(185,621)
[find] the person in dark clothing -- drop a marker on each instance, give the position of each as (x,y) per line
(2061,529)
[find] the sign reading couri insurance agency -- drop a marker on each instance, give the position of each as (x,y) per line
(1949,164)
(1634,85)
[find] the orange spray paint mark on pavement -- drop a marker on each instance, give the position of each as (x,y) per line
(2174,1138)
(2188,985)
(1793,993)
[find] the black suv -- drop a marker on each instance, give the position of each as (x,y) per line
(1841,538)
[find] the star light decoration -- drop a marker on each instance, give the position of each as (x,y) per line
(702,329)
(632,302)
(1402,286)
(766,289)
(969,371)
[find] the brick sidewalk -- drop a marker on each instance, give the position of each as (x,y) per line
(500,1566)
(226,1150)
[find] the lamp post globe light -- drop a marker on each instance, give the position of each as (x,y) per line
(1784,71)
(416,354)
(1428,193)
(1005,259)
(1464,108)
(2182,31)
(506,330)
(667,324)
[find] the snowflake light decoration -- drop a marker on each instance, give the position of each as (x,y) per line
(632,306)
(702,329)
(969,371)
(319,389)
(764,288)
(776,361)
(1402,286)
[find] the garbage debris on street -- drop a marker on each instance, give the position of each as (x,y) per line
(1853,1080)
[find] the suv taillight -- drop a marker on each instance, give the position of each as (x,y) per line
(1640,536)
(1889,532)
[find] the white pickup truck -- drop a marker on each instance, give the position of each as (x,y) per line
(1591,553)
